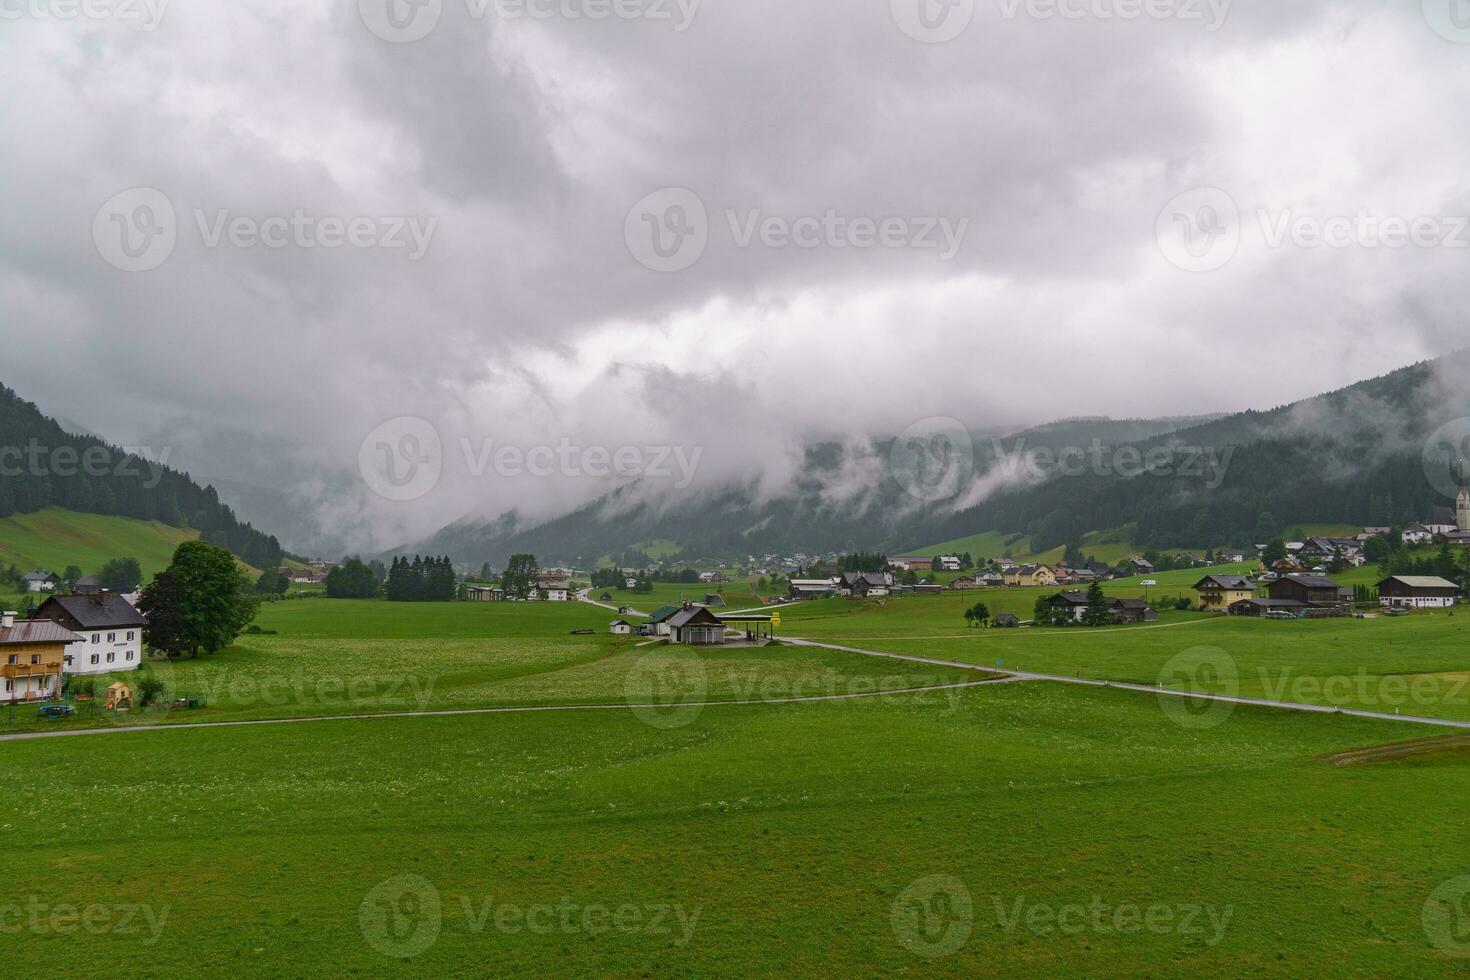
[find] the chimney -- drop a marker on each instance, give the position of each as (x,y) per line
(7,620)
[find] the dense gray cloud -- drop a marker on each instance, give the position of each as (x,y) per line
(1056,141)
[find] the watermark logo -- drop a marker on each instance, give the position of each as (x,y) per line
(402,459)
(146,15)
(933,917)
(1450,19)
(402,916)
(1211,13)
(401,21)
(668,230)
(1203,670)
(97,919)
(1446,457)
(932,21)
(667,690)
(136,230)
(1206,923)
(1199,230)
(934,459)
(1446,917)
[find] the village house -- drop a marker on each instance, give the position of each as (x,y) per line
(484,593)
(1217,593)
(1030,576)
(41,581)
(553,587)
(950,563)
(861,585)
(32,658)
(1417,534)
(1132,611)
(621,627)
(1069,605)
(1442,520)
(1138,565)
(911,563)
(658,623)
(965,583)
(109,631)
(1229,556)
(1417,592)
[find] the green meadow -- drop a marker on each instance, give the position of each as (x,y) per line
(52,539)
(666,826)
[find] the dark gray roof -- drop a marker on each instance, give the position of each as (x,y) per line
(1233,582)
(684,617)
(91,612)
(37,631)
(660,615)
(40,576)
(1313,581)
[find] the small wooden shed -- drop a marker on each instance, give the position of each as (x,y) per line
(119,697)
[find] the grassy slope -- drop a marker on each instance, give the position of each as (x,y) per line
(54,538)
(790,831)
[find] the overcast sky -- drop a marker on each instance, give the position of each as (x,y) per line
(1000,234)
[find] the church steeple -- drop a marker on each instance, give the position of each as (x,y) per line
(1462,504)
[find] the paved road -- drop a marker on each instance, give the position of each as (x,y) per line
(585,596)
(1144,688)
(521,710)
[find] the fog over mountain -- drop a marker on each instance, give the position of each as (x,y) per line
(515,153)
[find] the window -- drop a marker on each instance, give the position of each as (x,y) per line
(9,686)
(95,658)
(10,659)
(131,655)
(35,658)
(67,659)
(111,637)
(111,656)
(96,637)
(131,634)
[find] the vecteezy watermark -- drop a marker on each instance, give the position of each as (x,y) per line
(145,15)
(754,685)
(141,463)
(404,459)
(1101,918)
(402,917)
(933,459)
(1450,19)
(1446,458)
(406,21)
(1199,671)
(933,917)
(97,918)
(1199,230)
(1446,917)
(932,21)
(669,231)
(302,688)
(137,230)
(1206,464)
(667,689)
(1211,14)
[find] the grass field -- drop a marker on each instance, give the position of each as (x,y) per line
(1024,830)
(1011,829)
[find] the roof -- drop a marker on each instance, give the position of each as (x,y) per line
(1230,582)
(686,617)
(91,612)
(40,576)
(1273,603)
(1422,582)
(660,615)
(1070,598)
(37,631)
(620,622)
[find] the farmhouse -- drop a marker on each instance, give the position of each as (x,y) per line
(1219,592)
(39,581)
(1133,611)
(1069,605)
(658,623)
(1138,566)
(554,588)
(1310,590)
(1417,534)
(621,627)
(911,563)
(865,584)
(32,658)
(1417,592)
(109,631)
(812,588)
(1030,575)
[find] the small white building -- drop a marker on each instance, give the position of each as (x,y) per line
(109,632)
(949,563)
(39,581)
(621,627)
(1417,534)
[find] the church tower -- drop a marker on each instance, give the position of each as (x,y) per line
(1462,504)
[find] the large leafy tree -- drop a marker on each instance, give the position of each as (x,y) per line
(352,580)
(120,575)
(519,577)
(201,602)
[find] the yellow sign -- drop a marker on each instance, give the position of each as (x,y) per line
(775,619)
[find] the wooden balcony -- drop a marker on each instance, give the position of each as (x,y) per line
(20,671)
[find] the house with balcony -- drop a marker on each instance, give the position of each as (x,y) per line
(31,658)
(1217,593)
(108,630)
